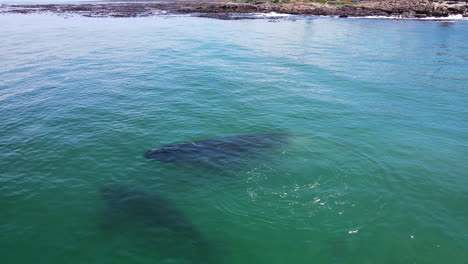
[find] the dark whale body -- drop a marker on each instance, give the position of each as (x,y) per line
(127,203)
(215,151)
(140,209)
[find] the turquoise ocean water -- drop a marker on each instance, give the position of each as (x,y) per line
(375,172)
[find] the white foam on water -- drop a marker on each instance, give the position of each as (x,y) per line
(451,17)
(270,15)
(447,18)
(274,14)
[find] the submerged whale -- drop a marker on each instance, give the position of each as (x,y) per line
(125,202)
(138,208)
(216,151)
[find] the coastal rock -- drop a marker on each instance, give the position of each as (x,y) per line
(395,8)
(223,10)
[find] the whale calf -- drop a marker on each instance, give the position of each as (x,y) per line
(216,151)
(127,203)
(135,207)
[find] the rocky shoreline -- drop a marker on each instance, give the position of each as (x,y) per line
(389,8)
(225,10)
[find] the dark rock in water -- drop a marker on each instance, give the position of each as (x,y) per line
(216,151)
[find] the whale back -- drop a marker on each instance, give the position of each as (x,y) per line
(125,202)
(218,150)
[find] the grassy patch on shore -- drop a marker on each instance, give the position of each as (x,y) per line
(342,3)
(295,1)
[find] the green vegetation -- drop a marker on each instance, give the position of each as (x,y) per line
(296,1)
(342,3)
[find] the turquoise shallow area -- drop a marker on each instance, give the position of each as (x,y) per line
(376,170)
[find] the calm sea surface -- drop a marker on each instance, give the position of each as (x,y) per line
(376,170)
